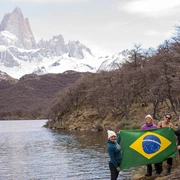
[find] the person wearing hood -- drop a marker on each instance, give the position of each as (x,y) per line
(147,126)
(114,151)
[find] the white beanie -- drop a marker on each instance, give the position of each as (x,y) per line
(149,116)
(111,133)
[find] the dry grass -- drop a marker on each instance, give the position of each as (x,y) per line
(139,172)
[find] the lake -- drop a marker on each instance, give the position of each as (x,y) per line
(31,152)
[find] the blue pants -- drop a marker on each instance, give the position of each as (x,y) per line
(114,172)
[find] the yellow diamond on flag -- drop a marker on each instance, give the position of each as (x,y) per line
(150,144)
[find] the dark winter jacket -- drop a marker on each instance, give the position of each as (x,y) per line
(114,150)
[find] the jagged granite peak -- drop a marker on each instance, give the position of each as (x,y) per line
(114,62)
(55,46)
(59,39)
(40,71)
(17,25)
(76,49)
(18,58)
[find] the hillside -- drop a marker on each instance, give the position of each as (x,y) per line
(146,83)
(31,96)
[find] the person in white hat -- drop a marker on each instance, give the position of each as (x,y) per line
(114,150)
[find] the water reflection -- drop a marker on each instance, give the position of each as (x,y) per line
(29,151)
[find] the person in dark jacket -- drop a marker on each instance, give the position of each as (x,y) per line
(147,126)
(114,150)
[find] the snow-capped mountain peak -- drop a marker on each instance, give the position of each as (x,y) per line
(16,24)
(20,54)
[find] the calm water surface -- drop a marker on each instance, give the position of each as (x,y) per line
(30,152)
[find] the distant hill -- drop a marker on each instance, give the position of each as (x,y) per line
(30,97)
(6,80)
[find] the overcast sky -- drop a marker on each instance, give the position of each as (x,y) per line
(105,26)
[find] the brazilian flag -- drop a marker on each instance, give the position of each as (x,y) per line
(140,147)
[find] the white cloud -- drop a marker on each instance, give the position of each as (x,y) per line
(169,34)
(151,32)
(44,1)
(150,7)
(116,25)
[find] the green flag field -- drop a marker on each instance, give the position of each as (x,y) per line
(141,147)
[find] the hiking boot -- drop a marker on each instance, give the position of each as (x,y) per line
(158,174)
(168,171)
(148,174)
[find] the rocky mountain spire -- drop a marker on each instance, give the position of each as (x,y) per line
(17,25)
(46,56)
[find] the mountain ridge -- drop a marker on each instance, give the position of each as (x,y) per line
(20,54)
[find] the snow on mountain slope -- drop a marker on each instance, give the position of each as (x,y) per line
(20,54)
(113,62)
(27,63)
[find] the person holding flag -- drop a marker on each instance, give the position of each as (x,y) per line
(143,147)
(166,123)
(150,125)
(114,150)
